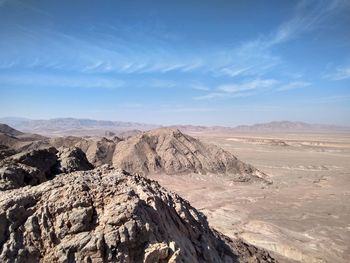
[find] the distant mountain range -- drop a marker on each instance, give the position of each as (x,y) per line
(276,126)
(62,126)
(289,126)
(72,126)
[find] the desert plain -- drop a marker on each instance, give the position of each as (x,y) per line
(304,216)
(281,195)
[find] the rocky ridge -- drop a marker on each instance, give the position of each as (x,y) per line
(5,129)
(107,215)
(72,159)
(53,211)
(163,150)
(37,166)
(169,151)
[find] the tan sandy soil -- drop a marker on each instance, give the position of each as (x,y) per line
(304,215)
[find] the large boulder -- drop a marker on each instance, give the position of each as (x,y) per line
(73,159)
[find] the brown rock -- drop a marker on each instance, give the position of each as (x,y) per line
(43,159)
(27,168)
(98,152)
(73,159)
(5,151)
(169,151)
(106,215)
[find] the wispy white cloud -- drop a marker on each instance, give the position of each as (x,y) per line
(251,85)
(294,85)
(7,65)
(224,95)
(211,95)
(188,109)
(339,74)
(308,15)
(234,71)
(46,80)
(248,59)
(250,88)
(236,90)
(162,83)
(198,86)
(100,81)
(256,57)
(118,50)
(328,99)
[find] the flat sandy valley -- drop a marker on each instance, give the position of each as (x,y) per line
(304,215)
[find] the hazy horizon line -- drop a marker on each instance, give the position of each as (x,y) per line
(175,124)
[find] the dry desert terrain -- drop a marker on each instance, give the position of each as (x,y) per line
(304,216)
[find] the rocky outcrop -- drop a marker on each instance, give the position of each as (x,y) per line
(73,159)
(163,150)
(27,168)
(128,133)
(98,152)
(5,151)
(37,166)
(43,159)
(66,142)
(17,140)
(107,215)
(8,141)
(169,151)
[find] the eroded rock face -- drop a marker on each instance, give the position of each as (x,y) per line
(164,150)
(19,175)
(27,168)
(73,159)
(169,151)
(6,151)
(98,152)
(105,215)
(43,159)
(36,166)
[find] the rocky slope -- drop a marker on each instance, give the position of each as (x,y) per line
(4,128)
(163,150)
(6,151)
(17,140)
(169,151)
(109,216)
(99,151)
(27,168)
(72,159)
(36,166)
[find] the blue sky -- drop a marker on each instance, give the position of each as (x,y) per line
(176,62)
